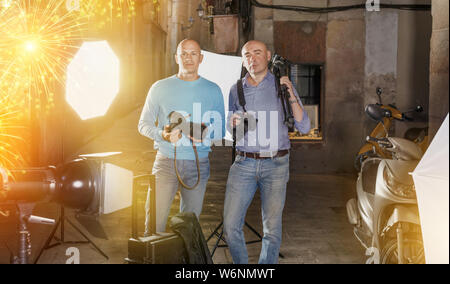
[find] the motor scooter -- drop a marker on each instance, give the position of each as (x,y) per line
(388,113)
(385,214)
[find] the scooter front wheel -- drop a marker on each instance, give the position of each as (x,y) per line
(413,252)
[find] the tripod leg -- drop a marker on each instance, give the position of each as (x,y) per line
(217,243)
(220,236)
(49,239)
(254,231)
(215,231)
(62,223)
(259,236)
(87,238)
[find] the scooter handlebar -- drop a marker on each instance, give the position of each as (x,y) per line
(383,142)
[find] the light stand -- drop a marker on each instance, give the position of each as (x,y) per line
(24,240)
(62,219)
(24,243)
(60,241)
(73,184)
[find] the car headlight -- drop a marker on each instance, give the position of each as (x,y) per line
(398,187)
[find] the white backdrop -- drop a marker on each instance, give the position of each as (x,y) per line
(223,70)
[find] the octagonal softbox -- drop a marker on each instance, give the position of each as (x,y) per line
(93,79)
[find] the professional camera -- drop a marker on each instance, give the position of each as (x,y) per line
(248,124)
(279,66)
(196,131)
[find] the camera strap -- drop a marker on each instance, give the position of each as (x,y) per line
(241,96)
(286,107)
(197,164)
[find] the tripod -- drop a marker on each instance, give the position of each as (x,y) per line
(220,237)
(220,226)
(61,241)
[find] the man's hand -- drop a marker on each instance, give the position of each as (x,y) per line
(197,140)
(235,120)
(297,110)
(171,137)
(285,81)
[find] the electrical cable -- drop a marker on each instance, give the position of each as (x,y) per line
(409,7)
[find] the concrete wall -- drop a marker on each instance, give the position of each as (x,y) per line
(413,59)
(343,100)
(360,50)
(364,50)
(439,66)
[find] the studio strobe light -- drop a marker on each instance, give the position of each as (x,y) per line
(73,185)
(90,186)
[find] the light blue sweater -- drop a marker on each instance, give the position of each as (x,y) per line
(201,101)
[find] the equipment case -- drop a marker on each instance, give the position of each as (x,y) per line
(158,248)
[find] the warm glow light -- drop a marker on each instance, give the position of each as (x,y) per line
(100,155)
(6,3)
(30,46)
(38,39)
(10,127)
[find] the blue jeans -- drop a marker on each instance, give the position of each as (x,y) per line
(246,175)
(167,185)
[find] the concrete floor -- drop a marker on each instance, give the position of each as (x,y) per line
(315,228)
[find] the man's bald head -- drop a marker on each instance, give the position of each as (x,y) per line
(188,43)
(188,58)
(256,57)
(256,44)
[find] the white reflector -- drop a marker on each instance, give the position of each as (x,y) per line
(431,181)
(117,190)
(224,70)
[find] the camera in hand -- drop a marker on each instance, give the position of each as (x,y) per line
(248,124)
(196,131)
(279,66)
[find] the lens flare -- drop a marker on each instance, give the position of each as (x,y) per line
(30,46)
(38,39)
(11,135)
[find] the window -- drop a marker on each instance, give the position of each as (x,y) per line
(307,79)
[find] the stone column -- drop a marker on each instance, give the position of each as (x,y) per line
(438,108)
(263,25)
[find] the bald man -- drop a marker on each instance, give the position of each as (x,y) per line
(199,101)
(259,164)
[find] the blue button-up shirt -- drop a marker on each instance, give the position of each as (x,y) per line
(262,101)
